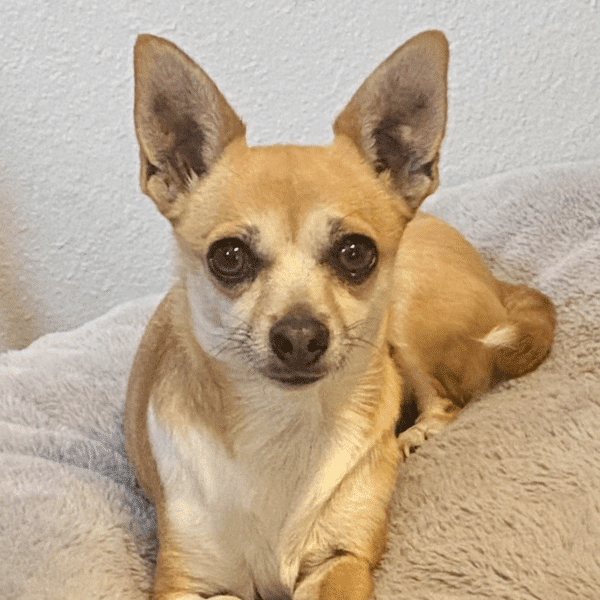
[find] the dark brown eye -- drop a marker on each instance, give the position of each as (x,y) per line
(232,262)
(354,257)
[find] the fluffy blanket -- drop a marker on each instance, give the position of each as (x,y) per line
(505,503)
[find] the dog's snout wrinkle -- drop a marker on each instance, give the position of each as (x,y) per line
(299,341)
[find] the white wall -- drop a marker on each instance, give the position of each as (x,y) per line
(76,235)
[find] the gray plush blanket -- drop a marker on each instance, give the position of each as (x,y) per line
(505,503)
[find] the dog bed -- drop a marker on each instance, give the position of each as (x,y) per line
(505,503)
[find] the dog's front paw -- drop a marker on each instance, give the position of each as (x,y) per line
(426,426)
(414,436)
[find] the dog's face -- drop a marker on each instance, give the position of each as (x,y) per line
(287,252)
(288,255)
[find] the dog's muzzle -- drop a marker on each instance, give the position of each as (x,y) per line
(298,340)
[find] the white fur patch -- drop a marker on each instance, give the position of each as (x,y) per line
(500,336)
(230,512)
(210,510)
(244,516)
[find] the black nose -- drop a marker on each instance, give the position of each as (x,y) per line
(299,341)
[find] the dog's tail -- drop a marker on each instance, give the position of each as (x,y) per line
(523,343)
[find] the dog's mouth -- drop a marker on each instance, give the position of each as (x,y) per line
(294,379)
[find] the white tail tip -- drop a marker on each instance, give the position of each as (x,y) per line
(501,336)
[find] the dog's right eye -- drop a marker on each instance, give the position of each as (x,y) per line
(231,261)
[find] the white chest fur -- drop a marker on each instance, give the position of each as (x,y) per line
(243,516)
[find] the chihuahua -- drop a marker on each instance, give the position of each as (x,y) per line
(263,401)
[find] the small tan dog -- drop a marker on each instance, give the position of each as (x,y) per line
(264,397)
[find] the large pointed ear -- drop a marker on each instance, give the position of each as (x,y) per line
(182,121)
(397,118)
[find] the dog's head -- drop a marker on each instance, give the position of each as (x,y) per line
(287,252)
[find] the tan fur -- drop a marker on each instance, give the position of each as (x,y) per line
(458,330)
(263,400)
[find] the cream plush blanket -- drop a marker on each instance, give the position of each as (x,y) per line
(505,503)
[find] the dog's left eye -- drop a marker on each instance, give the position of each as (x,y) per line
(231,261)
(354,257)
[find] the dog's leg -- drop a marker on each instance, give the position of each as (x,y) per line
(347,576)
(435,414)
(434,409)
(173,580)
